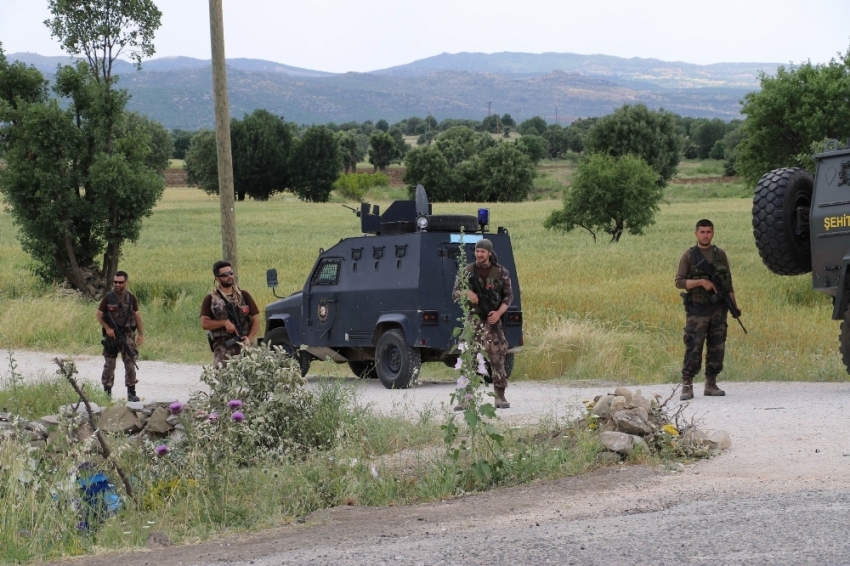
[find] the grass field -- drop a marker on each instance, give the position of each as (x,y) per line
(592,310)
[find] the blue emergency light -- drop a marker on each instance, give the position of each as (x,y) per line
(483,217)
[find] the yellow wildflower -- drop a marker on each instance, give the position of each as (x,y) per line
(670,429)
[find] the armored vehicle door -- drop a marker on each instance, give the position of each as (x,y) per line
(321,302)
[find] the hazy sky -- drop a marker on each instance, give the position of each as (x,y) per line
(335,35)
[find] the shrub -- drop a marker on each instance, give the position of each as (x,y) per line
(355,185)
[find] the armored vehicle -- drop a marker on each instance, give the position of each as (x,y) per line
(802,224)
(382,302)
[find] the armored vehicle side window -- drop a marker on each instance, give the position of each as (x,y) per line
(327,273)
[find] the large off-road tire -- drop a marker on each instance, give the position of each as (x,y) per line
(781,207)
(452,223)
(844,340)
(396,362)
(509,368)
(280,337)
(363,370)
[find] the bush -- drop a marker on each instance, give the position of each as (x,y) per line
(355,185)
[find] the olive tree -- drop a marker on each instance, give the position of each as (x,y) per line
(609,194)
(315,164)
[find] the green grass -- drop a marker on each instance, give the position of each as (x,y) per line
(691,168)
(600,311)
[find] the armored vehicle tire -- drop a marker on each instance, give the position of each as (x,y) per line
(781,206)
(363,370)
(452,223)
(396,362)
(280,337)
(509,368)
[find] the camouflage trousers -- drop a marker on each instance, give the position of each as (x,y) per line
(496,347)
(223,353)
(705,325)
(107,379)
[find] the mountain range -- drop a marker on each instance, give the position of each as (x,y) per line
(177,91)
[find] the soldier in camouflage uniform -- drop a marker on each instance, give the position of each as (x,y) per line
(123,309)
(496,280)
(706,320)
(226,340)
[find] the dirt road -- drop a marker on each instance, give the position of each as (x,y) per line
(778,495)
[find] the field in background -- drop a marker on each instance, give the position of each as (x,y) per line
(592,311)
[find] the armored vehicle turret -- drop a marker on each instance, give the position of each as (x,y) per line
(382,302)
(802,224)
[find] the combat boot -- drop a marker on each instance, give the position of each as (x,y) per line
(131,395)
(501,402)
(711,389)
(687,390)
(108,391)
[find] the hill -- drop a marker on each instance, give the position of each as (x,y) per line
(177,91)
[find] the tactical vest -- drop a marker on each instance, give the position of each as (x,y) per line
(219,312)
(721,269)
(121,311)
(493,281)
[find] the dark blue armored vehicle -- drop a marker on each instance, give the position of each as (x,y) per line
(382,302)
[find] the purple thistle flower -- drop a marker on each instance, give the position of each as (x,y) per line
(234,404)
(213,417)
(468,397)
(161,449)
(176,408)
(237,416)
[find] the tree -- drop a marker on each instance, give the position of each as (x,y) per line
(181,139)
(611,194)
(535,147)
(382,150)
(559,140)
(795,108)
(637,130)
(705,133)
(508,121)
(261,144)
(506,173)
(80,176)
(491,124)
(350,151)
(427,166)
(398,136)
(382,125)
(534,126)
(315,164)
(577,133)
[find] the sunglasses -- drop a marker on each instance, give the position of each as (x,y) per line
(225,274)
(120,282)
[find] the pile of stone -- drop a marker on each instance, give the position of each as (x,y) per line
(628,421)
(93,278)
(151,420)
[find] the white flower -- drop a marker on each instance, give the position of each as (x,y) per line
(459,363)
(461,347)
(374,471)
(482,366)
(352,462)
(462,382)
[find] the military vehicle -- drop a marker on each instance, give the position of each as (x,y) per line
(382,302)
(802,224)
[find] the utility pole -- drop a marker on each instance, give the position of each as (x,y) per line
(222,137)
(556,114)
(488,107)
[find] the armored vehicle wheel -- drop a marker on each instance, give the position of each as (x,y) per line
(509,368)
(781,206)
(396,362)
(452,223)
(363,370)
(280,337)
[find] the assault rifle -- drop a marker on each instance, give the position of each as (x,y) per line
(721,291)
(233,317)
(119,337)
(488,301)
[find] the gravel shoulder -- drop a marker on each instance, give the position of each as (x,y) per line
(789,441)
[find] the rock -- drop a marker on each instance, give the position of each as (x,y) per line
(720,439)
(173,420)
(619,442)
(158,422)
(80,409)
(623,392)
(37,428)
(83,432)
(136,406)
(618,404)
(160,402)
(639,400)
(118,418)
(632,422)
(158,539)
(5,416)
(50,420)
(602,408)
(640,444)
(176,437)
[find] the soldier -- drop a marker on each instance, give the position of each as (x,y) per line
(118,314)
(228,332)
(706,320)
(494,280)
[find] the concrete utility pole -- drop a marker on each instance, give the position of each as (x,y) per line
(222,137)
(488,108)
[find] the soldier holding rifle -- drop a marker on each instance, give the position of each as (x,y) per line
(705,275)
(118,314)
(229,315)
(490,294)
